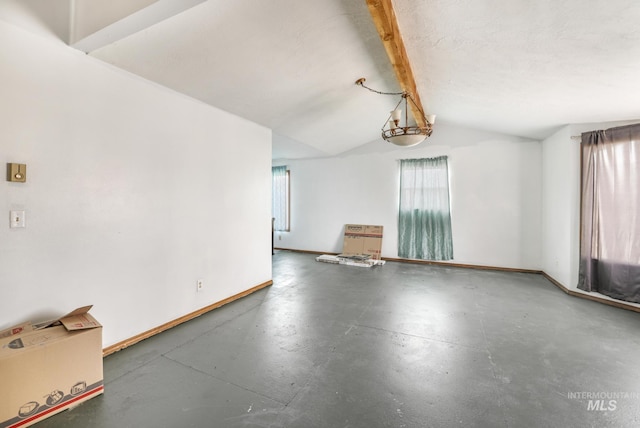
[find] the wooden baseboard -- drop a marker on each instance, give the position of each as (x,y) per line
(556,283)
(305,251)
(166,326)
(461,265)
(428,262)
(614,303)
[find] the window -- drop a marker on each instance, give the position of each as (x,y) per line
(424,221)
(280,198)
(610,220)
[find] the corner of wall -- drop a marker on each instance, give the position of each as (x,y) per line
(560,176)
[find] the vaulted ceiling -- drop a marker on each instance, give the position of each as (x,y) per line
(518,67)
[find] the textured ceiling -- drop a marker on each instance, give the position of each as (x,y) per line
(288,65)
(518,67)
(525,67)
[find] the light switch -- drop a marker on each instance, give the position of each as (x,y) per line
(17,219)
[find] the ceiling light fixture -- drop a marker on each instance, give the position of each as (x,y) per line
(404,135)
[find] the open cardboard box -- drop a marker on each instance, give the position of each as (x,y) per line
(47,368)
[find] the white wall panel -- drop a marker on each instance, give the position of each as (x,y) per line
(495,196)
(133,193)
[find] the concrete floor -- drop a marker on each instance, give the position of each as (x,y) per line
(400,345)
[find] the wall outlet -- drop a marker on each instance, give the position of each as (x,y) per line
(199,285)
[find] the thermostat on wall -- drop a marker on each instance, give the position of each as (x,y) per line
(17,172)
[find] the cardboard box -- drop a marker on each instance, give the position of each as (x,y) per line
(362,239)
(46,371)
(16,329)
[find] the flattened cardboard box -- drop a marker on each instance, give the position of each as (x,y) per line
(46,371)
(362,239)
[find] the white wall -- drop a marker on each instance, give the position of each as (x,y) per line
(561,206)
(133,193)
(495,196)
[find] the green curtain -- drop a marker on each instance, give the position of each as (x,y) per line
(279,195)
(424,224)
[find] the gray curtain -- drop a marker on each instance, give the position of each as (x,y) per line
(610,220)
(424,222)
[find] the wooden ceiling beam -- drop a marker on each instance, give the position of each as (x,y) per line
(384,18)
